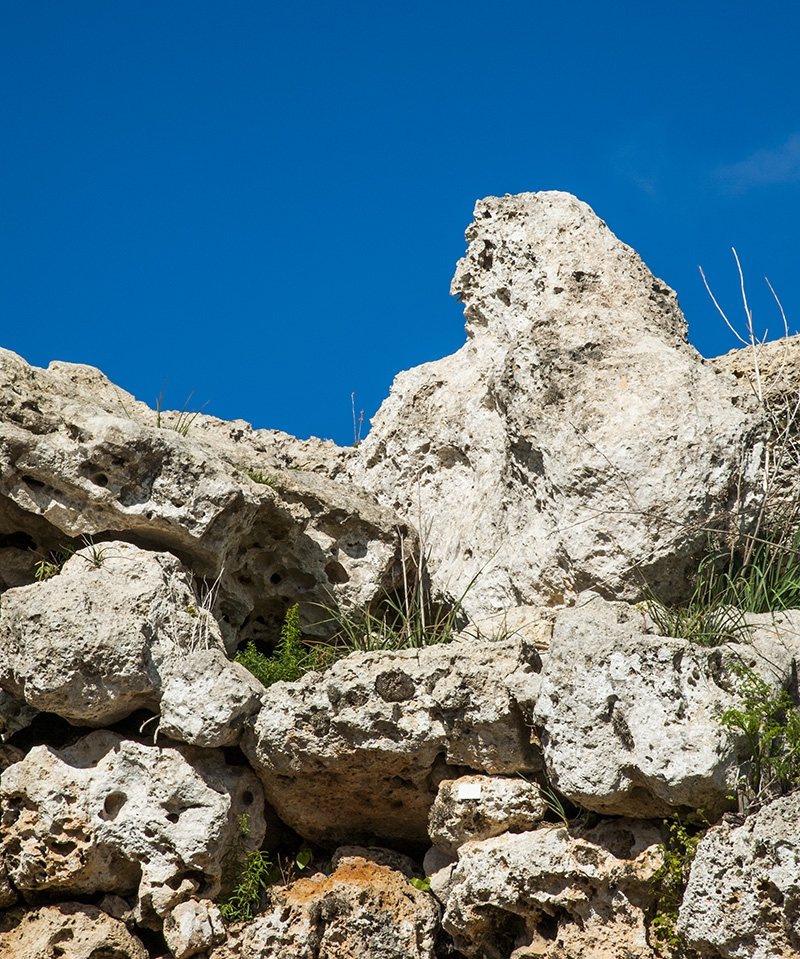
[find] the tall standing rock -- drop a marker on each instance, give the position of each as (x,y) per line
(576,440)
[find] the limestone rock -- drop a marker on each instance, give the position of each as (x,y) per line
(360,751)
(193,926)
(480,807)
(364,910)
(576,437)
(81,458)
(629,722)
(70,930)
(555,892)
(743,896)
(111,815)
(90,643)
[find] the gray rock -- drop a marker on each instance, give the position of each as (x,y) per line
(743,896)
(480,807)
(193,926)
(91,643)
(69,930)
(364,910)
(110,815)
(576,439)
(360,751)
(555,892)
(80,457)
(629,722)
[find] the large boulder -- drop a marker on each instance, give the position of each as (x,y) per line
(120,629)
(81,458)
(743,896)
(359,751)
(576,440)
(556,892)
(630,721)
(110,815)
(70,930)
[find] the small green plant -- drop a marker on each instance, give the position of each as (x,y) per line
(52,565)
(357,424)
(182,420)
(247,874)
(553,802)
(669,883)
(770,723)
(424,885)
(291,658)
(258,477)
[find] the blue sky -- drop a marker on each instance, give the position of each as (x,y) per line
(265,202)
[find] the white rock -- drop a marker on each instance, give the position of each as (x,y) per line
(576,440)
(80,457)
(629,723)
(193,926)
(743,896)
(110,815)
(359,751)
(479,807)
(555,892)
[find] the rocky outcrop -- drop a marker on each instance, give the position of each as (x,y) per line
(81,459)
(576,440)
(111,815)
(629,721)
(364,908)
(360,751)
(555,892)
(743,896)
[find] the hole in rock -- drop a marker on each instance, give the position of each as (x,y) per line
(247,797)
(36,484)
(275,579)
(336,573)
(114,802)
(48,729)
(17,540)
(234,756)
(173,817)
(100,479)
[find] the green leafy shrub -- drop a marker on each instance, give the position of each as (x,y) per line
(291,659)
(669,883)
(247,875)
(770,722)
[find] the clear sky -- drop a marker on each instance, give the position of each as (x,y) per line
(265,202)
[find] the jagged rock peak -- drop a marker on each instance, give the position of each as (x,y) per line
(576,440)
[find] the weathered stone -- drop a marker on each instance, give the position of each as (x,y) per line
(193,926)
(15,714)
(364,910)
(70,930)
(110,815)
(480,807)
(743,896)
(90,643)
(79,457)
(629,722)
(206,700)
(576,440)
(555,892)
(356,753)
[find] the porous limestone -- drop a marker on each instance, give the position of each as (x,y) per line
(576,440)
(360,750)
(69,930)
(108,814)
(365,908)
(743,896)
(555,892)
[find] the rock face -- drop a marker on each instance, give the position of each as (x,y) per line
(576,437)
(110,815)
(555,892)
(629,722)
(81,458)
(743,896)
(71,930)
(360,751)
(363,909)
